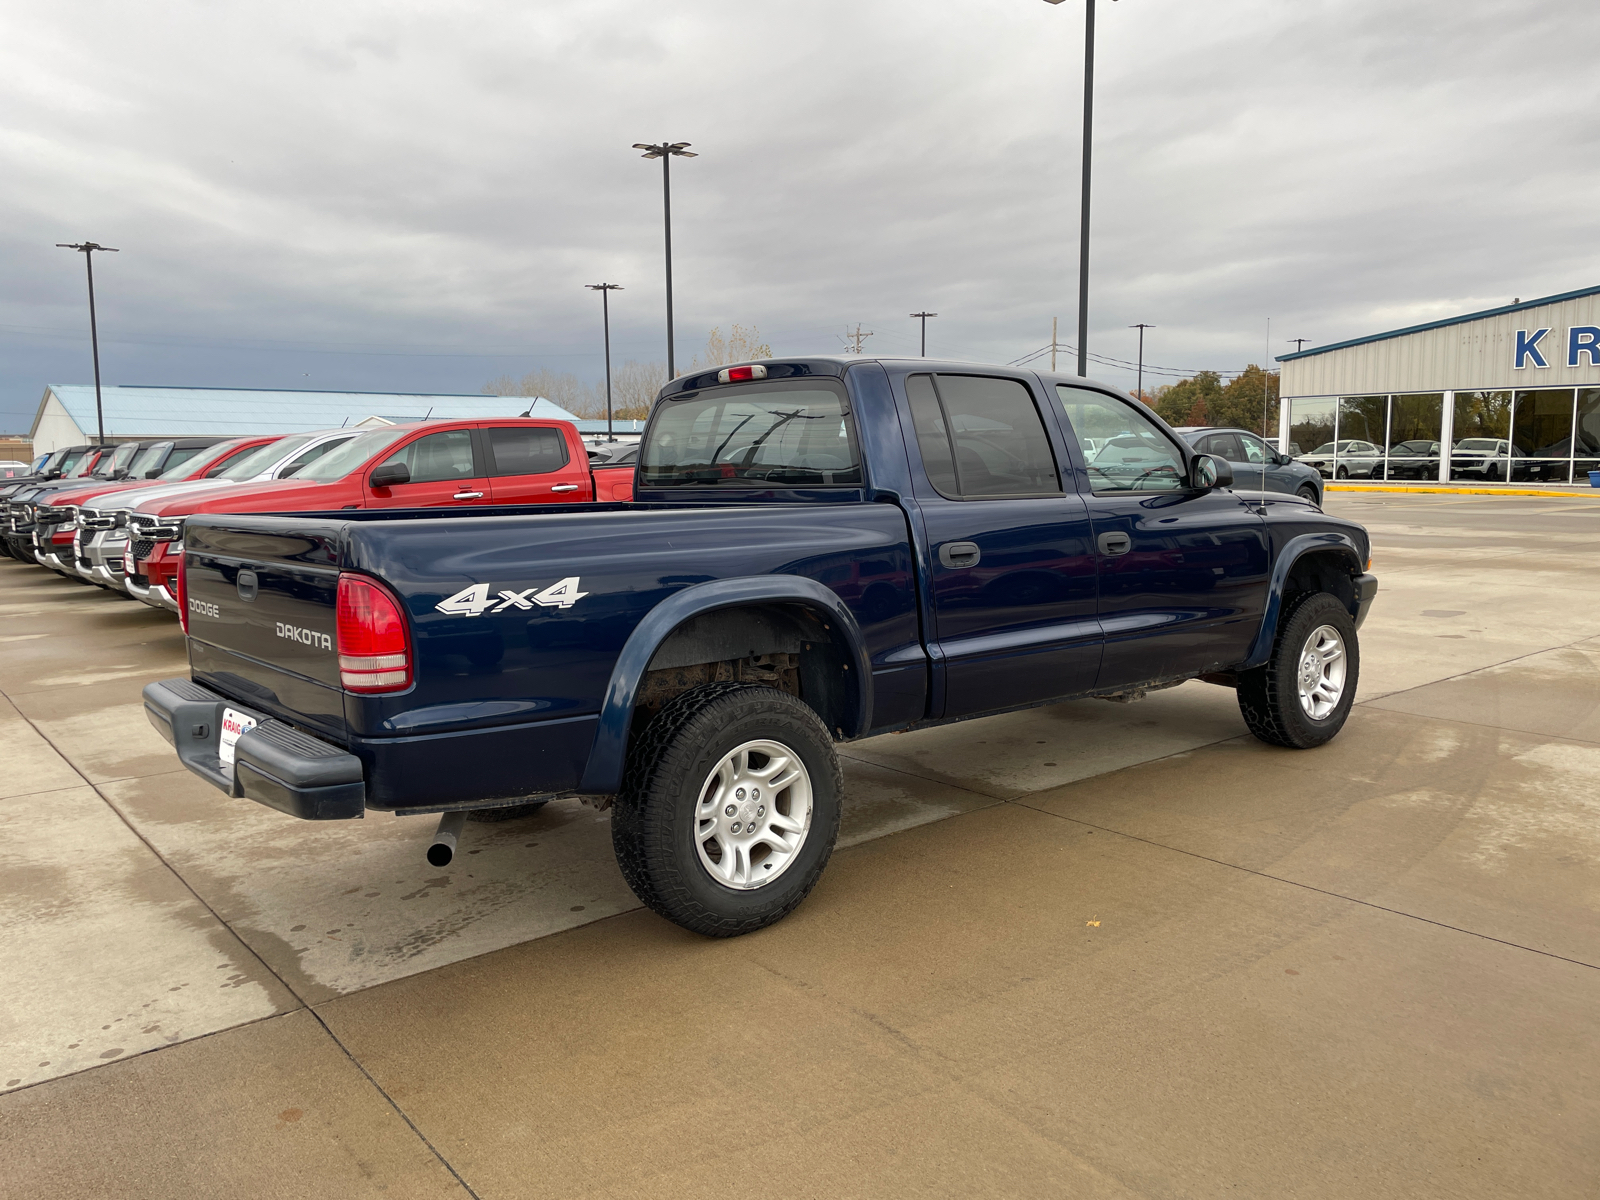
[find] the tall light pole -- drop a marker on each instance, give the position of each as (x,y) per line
(605,317)
(87,249)
(1141,327)
(1083,205)
(923,317)
(665,152)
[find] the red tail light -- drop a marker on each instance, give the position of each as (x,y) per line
(740,374)
(374,641)
(180,592)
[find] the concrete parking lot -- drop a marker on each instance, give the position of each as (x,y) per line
(1087,950)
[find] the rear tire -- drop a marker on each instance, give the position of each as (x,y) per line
(1302,695)
(710,750)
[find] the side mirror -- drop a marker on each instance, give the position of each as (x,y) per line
(1207,471)
(390,474)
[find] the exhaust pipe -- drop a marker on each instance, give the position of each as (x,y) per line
(443,848)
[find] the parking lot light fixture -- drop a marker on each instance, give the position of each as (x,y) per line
(87,249)
(1083,206)
(605,317)
(666,151)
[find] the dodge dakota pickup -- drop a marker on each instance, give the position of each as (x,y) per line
(816,550)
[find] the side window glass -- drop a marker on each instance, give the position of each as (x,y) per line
(437,457)
(937,458)
(1255,450)
(310,456)
(517,450)
(1131,453)
(981,437)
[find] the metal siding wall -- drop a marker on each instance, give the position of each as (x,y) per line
(1474,356)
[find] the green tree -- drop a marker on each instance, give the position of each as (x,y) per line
(1190,401)
(1240,404)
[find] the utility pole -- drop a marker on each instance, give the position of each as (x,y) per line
(854,340)
(87,249)
(605,316)
(1083,205)
(924,317)
(1298,343)
(665,152)
(1141,327)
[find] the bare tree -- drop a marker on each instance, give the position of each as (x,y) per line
(741,345)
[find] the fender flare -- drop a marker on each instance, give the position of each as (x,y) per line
(1294,550)
(603,772)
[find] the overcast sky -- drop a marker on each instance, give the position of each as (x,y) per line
(410,197)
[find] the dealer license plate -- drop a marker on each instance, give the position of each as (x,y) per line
(234,726)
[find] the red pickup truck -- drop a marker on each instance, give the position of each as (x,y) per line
(424,464)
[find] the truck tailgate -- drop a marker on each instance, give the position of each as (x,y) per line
(262,610)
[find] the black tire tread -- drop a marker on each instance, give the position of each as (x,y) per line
(1261,692)
(640,834)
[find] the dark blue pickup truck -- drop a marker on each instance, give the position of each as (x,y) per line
(818,550)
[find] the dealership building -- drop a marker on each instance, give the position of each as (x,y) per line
(1507,394)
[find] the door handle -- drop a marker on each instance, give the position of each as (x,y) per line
(565,487)
(467,496)
(957,555)
(1114,543)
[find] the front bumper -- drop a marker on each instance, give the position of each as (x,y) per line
(155,595)
(274,764)
(1366,589)
(100,561)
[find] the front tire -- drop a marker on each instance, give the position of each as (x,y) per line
(715,759)
(1307,492)
(1342,473)
(1302,695)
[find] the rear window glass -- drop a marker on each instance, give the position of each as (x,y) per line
(981,437)
(530,450)
(781,434)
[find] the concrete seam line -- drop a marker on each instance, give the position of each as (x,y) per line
(400,1112)
(929,779)
(199,1037)
(1589,637)
(1133,837)
(201,900)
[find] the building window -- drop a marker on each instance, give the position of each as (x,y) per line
(1413,450)
(1541,436)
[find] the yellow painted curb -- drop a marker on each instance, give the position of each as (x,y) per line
(1457,491)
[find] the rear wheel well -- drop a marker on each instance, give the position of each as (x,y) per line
(792,647)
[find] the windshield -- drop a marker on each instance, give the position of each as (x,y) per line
(147,459)
(199,462)
(252,465)
(120,458)
(1478,444)
(788,434)
(336,464)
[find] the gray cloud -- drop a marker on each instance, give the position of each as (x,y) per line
(378,196)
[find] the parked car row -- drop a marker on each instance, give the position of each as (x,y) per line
(1484,459)
(114,516)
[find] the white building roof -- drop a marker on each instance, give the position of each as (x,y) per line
(136,411)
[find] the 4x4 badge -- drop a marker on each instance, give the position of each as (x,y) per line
(475,600)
